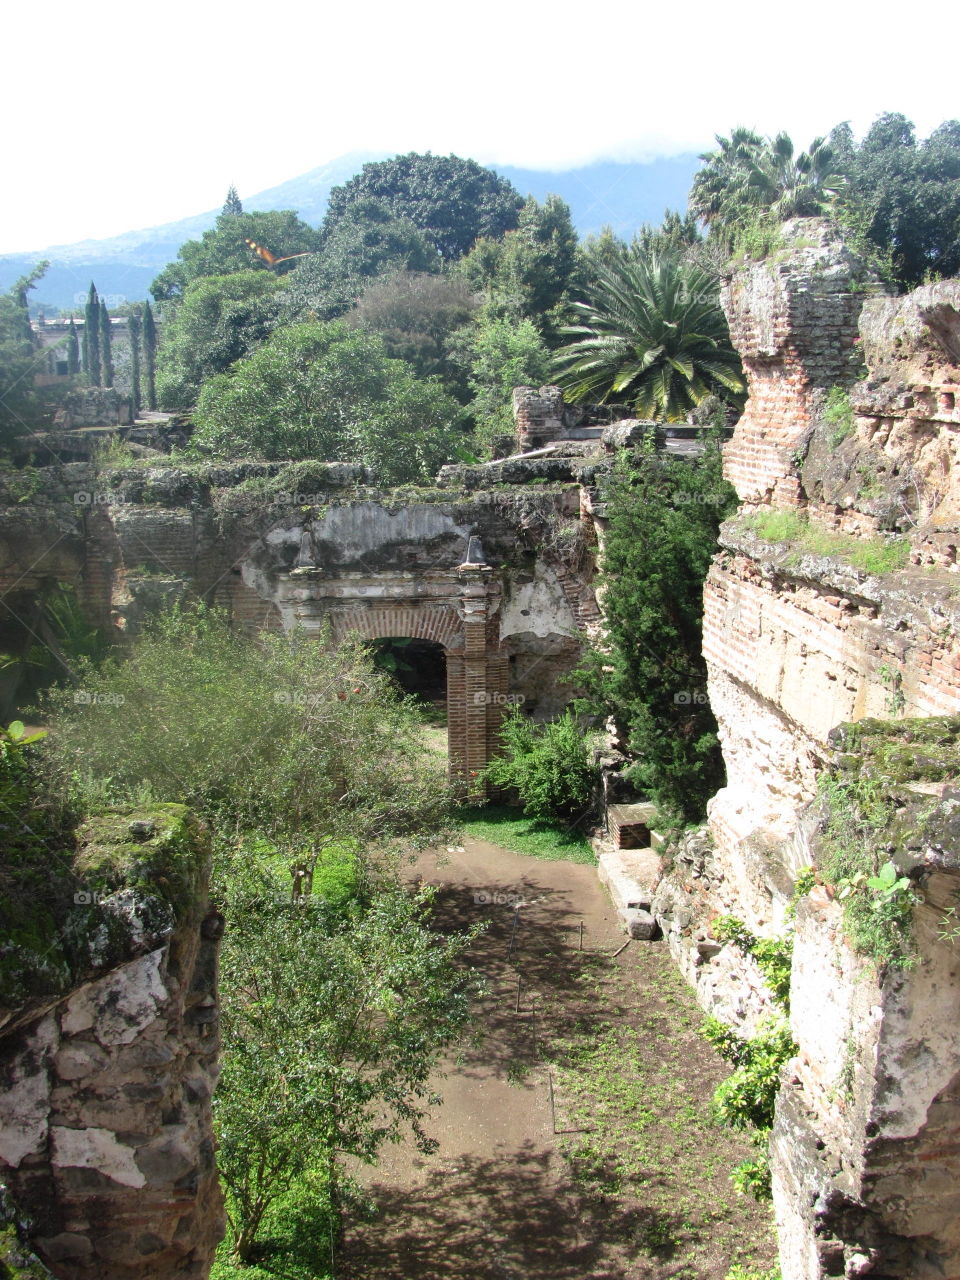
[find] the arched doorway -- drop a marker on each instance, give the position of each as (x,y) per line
(419,669)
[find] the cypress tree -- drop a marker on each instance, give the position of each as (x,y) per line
(106,346)
(91,336)
(149,355)
(232,205)
(134,327)
(73,350)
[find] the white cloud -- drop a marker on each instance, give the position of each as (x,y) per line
(126,116)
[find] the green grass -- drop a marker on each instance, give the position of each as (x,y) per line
(510,829)
(873,555)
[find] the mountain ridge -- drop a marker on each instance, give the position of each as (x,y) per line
(619,194)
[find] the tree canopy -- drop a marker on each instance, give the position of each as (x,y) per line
(903,196)
(366,242)
(331,392)
(223,249)
(452,200)
(219,320)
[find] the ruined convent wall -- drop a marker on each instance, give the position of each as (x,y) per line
(321,550)
(851,615)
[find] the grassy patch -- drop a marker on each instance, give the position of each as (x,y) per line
(634,1091)
(510,829)
(873,555)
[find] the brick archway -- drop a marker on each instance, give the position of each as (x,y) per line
(457,610)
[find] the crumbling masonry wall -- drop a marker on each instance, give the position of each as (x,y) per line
(106,1141)
(853,613)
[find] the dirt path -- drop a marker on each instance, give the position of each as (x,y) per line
(499,1200)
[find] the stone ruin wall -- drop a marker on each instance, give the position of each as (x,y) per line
(106,1141)
(866,1148)
(334,550)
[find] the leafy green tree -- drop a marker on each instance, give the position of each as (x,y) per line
(219,320)
(73,350)
(454,201)
(366,242)
(106,346)
(652,334)
(526,273)
(91,337)
(231,206)
(223,250)
(150,355)
(330,1035)
(548,765)
(902,198)
(416,314)
(503,354)
(650,674)
(23,405)
(326,391)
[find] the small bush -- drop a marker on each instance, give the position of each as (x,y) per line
(548,765)
(838,413)
(745,1100)
(877,902)
(774,956)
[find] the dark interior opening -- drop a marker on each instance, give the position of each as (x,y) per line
(418,666)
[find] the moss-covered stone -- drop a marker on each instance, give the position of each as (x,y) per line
(157,851)
(137,874)
(17,1262)
(900,751)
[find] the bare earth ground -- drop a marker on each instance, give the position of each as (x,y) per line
(634,1182)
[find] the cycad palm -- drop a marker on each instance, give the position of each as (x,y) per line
(652,335)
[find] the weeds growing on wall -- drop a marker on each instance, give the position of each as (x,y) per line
(774,956)
(838,414)
(873,555)
(877,901)
(745,1100)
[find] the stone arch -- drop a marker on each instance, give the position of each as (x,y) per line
(457,609)
(438,623)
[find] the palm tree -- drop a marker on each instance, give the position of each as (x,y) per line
(750,175)
(652,334)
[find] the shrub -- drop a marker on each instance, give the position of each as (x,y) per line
(877,902)
(548,765)
(745,1100)
(277,734)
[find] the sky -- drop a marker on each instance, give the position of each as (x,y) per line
(123,115)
